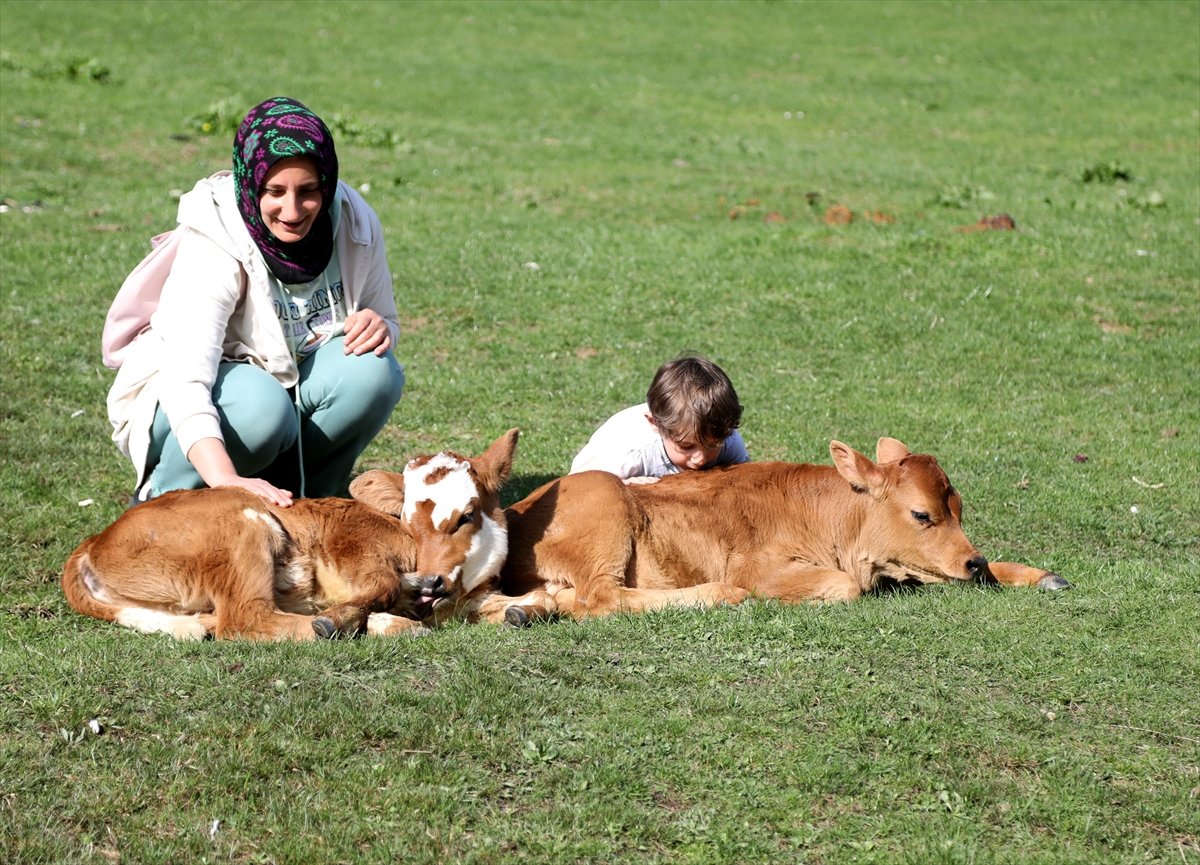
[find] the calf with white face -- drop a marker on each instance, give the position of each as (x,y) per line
(225,563)
(460,536)
(450,507)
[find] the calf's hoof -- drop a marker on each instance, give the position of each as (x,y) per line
(324,627)
(516,616)
(1053,583)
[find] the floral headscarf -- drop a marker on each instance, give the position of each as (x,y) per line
(275,130)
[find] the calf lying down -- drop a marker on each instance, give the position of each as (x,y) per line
(589,545)
(223,562)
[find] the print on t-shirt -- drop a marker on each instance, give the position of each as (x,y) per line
(312,313)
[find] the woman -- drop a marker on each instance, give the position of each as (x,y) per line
(267,364)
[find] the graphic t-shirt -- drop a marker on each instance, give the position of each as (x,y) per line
(312,313)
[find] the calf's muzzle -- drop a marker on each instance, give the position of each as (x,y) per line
(433,587)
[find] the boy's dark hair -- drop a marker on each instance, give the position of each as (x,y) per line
(692,398)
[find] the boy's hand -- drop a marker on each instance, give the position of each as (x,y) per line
(641,480)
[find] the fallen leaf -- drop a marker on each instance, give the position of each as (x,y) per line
(1149,486)
(774,218)
(1081,458)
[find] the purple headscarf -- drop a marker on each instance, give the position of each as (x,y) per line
(274,130)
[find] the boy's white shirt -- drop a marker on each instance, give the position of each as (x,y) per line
(629,446)
(219,304)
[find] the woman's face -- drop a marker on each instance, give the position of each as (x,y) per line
(290,198)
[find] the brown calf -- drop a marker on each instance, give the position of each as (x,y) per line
(223,562)
(587,544)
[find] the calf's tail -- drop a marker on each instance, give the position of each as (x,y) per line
(79,582)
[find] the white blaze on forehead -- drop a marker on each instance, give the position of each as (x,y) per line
(451,491)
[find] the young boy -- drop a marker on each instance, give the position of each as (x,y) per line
(688,422)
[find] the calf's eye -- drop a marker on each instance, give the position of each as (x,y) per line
(466,519)
(922,517)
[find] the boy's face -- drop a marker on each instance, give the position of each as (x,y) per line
(687,452)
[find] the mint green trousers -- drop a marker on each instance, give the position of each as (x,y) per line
(304,442)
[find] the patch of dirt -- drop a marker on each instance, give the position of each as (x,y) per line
(1113,326)
(838,214)
(999,222)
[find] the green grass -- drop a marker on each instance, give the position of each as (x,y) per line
(613,144)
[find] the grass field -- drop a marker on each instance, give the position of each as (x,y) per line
(572,194)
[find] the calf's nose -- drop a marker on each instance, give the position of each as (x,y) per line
(977,566)
(434,587)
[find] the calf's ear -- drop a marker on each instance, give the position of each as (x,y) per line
(495,464)
(384,491)
(862,474)
(891,450)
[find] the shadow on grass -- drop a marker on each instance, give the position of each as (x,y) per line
(519,486)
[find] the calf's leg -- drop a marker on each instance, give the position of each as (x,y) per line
(1012,574)
(797,583)
(622,599)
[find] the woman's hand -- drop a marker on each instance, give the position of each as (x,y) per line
(212,462)
(262,489)
(367,331)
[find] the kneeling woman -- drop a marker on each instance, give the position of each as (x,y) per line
(268,363)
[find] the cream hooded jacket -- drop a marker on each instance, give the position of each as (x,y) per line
(218,305)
